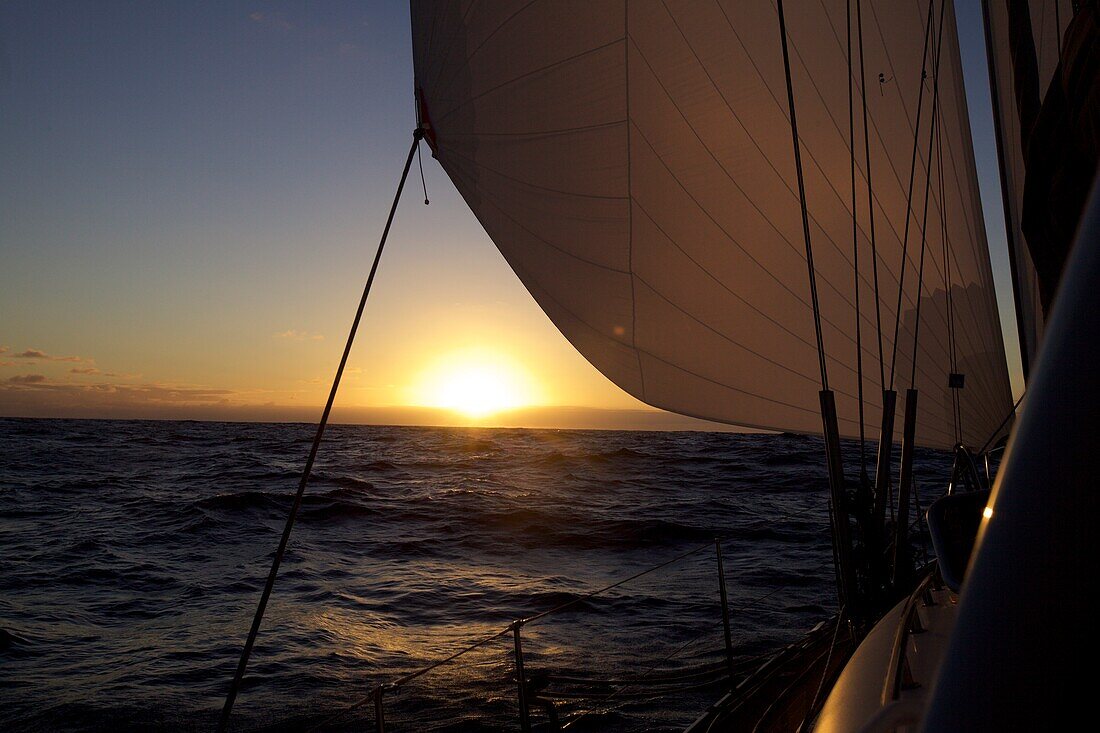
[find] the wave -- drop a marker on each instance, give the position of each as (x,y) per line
(336,504)
(134,562)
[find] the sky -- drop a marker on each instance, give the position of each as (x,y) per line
(190,198)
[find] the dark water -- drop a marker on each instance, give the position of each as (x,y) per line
(133,555)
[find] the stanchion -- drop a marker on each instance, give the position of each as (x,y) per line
(379,716)
(521,679)
(725,610)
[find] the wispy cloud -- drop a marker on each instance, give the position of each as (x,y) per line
(113,393)
(84,370)
(293,335)
(3,349)
(43,356)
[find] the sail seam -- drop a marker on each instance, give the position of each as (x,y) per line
(838,291)
(529,224)
(765,271)
(870,194)
(793,247)
(471,54)
(971,236)
(452,154)
(809,153)
(728,339)
(486,196)
(525,75)
(601,333)
(543,294)
(933,129)
(447,54)
(722,284)
(812,411)
(878,136)
(912,175)
(897,178)
(540,133)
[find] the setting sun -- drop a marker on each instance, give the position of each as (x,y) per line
(476,383)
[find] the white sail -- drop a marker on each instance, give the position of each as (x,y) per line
(1048,21)
(633,163)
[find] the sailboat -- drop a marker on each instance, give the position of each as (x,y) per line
(770,217)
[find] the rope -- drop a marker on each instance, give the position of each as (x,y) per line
(579,599)
(870,197)
(242,665)
(909,193)
(802,200)
(400,681)
(927,188)
(410,676)
(405,679)
(423,183)
(652,668)
(828,659)
(953,353)
(1003,423)
(855,251)
(668,657)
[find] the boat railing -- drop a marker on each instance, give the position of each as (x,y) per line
(964,470)
(987,457)
(527,694)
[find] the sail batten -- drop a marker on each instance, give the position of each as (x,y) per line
(632,161)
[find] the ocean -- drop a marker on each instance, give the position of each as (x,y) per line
(134,552)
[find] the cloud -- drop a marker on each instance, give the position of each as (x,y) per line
(86,370)
(37,390)
(293,335)
(7,363)
(3,349)
(27,379)
(39,354)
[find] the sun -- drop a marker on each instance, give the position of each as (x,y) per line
(476,383)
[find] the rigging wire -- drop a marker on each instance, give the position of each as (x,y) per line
(953,353)
(802,200)
(909,192)
(242,665)
(1004,422)
(405,679)
(870,196)
(482,641)
(927,188)
(675,652)
(423,183)
(828,659)
(855,252)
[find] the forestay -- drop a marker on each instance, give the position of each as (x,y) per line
(633,163)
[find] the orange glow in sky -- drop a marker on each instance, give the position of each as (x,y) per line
(477,383)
